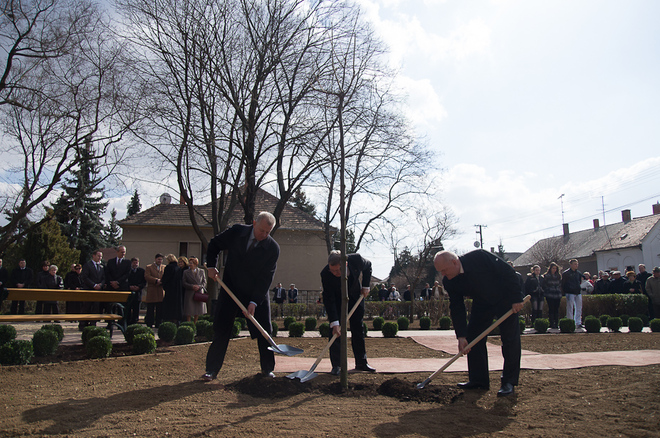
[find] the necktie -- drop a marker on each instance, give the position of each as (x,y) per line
(252,245)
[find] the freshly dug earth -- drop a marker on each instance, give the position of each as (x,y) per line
(161,395)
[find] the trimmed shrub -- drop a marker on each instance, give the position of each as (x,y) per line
(365,329)
(59,331)
(7,333)
(592,324)
(16,352)
(378,322)
(523,325)
(655,325)
(324,330)
(189,324)
(136,329)
(92,331)
(275,328)
(243,322)
(144,343)
(541,325)
(166,331)
(624,320)
(614,323)
(184,335)
(566,325)
(635,325)
(445,323)
(205,329)
(310,324)
(403,322)
(296,329)
(644,318)
(288,321)
(99,347)
(603,320)
(206,317)
(425,323)
(236,329)
(390,329)
(45,342)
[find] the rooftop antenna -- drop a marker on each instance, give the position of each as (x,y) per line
(561,199)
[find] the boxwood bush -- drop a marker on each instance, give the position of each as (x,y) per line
(655,325)
(189,324)
(645,319)
(236,329)
(523,325)
(324,330)
(166,331)
(635,324)
(378,323)
(425,323)
(566,325)
(274,327)
(310,324)
(288,321)
(144,343)
(205,329)
(603,320)
(59,331)
(136,329)
(7,333)
(296,329)
(16,352)
(624,320)
(45,342)
(243,322)
(390,329)
(403,322)
(541,325)
(592,324)
(92,331)
(98,347)
(614,323)
(184,335)
(445,323)
(365,329)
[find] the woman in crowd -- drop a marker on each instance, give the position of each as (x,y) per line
(194,280)
(52,281)
(551,284)
(173,301)
(632,285)
(534,289)
(72,281)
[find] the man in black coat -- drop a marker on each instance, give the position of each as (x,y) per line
(494,288)
(116,274)
(292,294)
(331,283)
(21,277)
(93,278)
(136,282)
(249,270)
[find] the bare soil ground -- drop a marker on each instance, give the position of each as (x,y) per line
(161,395)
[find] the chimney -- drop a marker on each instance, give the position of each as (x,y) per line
(182,201)
(625,216)
(596,224)
(656,208)
(566,232)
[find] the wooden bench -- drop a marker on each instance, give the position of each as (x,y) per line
(115,318)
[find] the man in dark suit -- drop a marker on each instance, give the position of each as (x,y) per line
(249,269)
(331,283)
(494,288)
(21,277)
(279,297)
(136,282)
(93,278)
(293,294)
(116,274)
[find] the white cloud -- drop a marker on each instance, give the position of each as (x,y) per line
(424,107)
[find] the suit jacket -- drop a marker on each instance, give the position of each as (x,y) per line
(356,265)
(4,277)
(293,295)
(154,291)
(247,274)
(91,276)
(282,297)
(115,271)
(488,279)
(21,276)
(137,279)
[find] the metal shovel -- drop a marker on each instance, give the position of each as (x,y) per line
(304,375)
(470,345)
(281,349)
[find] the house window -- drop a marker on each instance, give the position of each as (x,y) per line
(189,249)
(183,249)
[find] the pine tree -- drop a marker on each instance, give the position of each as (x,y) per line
(112,231)
(80,207)
(299,200)
(134,205)
(48,243)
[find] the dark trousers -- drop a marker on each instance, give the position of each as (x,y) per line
(51,308)
(132,308)
(39,308)
(357,338)
(154,314)
(553,311)
(17,308)
(481,318)
(227,310)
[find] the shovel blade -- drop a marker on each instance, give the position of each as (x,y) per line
(309,376)
(298,374)
(423,384)
(286,350)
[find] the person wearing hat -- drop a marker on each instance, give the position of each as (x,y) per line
(632,285)
(616,284)
(602,285)
(653,291)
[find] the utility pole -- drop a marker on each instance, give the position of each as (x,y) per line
(561,199)
(480,242)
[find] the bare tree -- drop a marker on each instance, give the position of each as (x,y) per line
(553,249)
(69,98)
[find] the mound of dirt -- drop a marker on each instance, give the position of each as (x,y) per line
(407,391)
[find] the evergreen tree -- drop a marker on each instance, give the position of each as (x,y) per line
(80,207)
(501,252)
(48,243)
(350,241)
(112,231)
(299,200)
(134,205)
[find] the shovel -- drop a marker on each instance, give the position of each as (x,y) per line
(303,375)
(281,349)
(470,345)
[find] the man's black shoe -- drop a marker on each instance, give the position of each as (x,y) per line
(268,374)
(207,377)
(365,367)
(473,385)
(335,371)
(506,389)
